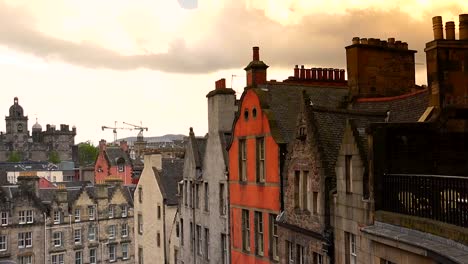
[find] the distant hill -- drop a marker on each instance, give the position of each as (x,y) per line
(165,138)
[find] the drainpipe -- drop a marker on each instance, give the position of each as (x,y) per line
(166,261)
(45,237)
(228,213)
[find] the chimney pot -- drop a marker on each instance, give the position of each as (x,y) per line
(450,30)
(437,27)
(314,73)
(256,54)
(336,74)
(319,74)
(307,74)
(330,74)
(364,41)
(355,40)
(342,75)
(463,27)
(296,72)
(220,84)
(302,74)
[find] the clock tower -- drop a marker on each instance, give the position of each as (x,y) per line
(17,126)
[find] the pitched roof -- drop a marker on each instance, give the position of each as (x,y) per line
(168,179)
(113,154)
(280,103)
(225,138)
(198,148)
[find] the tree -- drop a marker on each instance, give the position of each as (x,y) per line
(87,153)
(15,156)
(54,157)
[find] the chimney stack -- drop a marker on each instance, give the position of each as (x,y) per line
(256,54)
(330,74)
(336,75)
(307,74)
(220,84)
(302,73)
(296,72)
(463,27)
(102,145)
(450,30)
(437,27)
(319,74)
(314,73)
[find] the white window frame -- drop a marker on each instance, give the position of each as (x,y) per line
(274,238)
(111,231)
(140,223)
(207,243)
(91,233)
(124,250)
(290,253)
(199,240)
(57,217)
(79,257)
(259,233)
(91,212)
(300,254)
(57,241)
(260,159)
(77,214)
(112,252)
(224,248)
(25,240)
(4,218)
(22,217)
(29,216)
(352,249)
(124,210)
(246,230)
(124,230)
(58,258)
(77,236)
(3,242)
(93,256)
(25,259)
(111,210)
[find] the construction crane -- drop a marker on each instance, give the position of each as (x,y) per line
(114,130)
(141,128)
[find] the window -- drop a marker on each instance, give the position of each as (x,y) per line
(57,217)
(224,248)
(91,213)
(158,239)
(192,195)
(27,260)
(24,239)
(112,253)
(315,202)
(300,256)
(258,233)
(192,237)
(199,240)
(318,259)
(176,254)
(140,255)
(290,252)
(245,230)
(185,193)
(140,194)
(140,224)
(297,181)
(3,243)
(29,216)
(348,176)
(350,248)
(304,191)
(207,243)
(121,165)
(124,210)
(242,160)
(91,233)
(124,231)
(92,256)
(58,258)
(260,159)
(77,215)
(197,196)
(26,216)
(159,212)
(77,236)
(274,240)
(110,210)
(177,230)
(125,250)
(4,218)
(78,257)
(222,200)
(207,207)
(57,239)
(182,231)
(111,231)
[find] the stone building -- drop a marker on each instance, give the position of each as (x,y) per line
(39,145)
(204,217)
(75,223)
(157,222)
(22,215)
(264,125)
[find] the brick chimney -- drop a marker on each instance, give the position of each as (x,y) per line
(221,107)
(102,145)
(124,145)
(256,70)
(29,181)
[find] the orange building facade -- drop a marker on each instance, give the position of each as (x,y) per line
(113,161)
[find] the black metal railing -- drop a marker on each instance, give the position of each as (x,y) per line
(437,197)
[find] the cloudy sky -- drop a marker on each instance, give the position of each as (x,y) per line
(89,63)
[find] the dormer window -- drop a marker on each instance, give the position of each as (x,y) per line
(57,217)
(302,133)
(121,164)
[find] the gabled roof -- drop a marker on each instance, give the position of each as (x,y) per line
(113,154)
(280,102)
(198,148)
(225,138)
(168,179)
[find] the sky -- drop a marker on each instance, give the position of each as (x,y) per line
(90,63)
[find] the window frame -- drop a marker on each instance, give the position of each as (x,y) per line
(92,232)
(57,241)
(77,214)
(111,231)
(207,195)
(242,160)
(3,242)
(124,230)
(222,199)
(207,243)
(91,213)
(245,230)
(199,240)
(260,160)
(124,211)
(140,223)
(259,234)
(274,238)
(60,258)
(4,216)
(93,256)
(348,173)
(77,236)
(112,250)
(125,253)
(79,257)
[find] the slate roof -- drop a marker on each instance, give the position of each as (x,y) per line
(405,108)
(280,102)
(225,138)
(169,178)
(198,148)
(28,166)
(114,153)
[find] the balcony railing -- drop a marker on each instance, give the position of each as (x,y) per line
(437,197)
